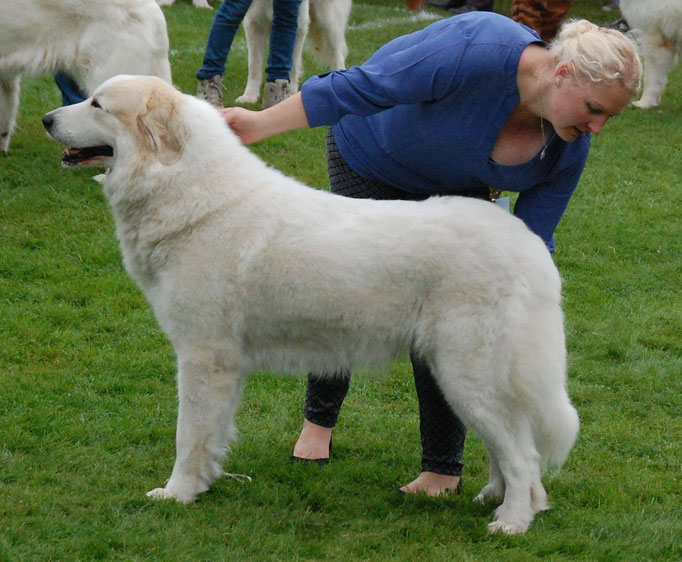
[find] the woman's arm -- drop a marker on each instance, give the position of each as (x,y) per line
(252,126)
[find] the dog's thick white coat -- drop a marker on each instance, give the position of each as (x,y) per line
(323,22)
(91,40)
(658,26)
(248,269)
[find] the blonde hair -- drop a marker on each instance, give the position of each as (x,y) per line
(598,54)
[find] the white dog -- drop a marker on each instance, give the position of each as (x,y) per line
(90,40)
(322,21)
(247,269)
(658,25)
(197,3)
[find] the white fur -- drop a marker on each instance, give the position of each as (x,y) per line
(322,21)
(658,25)
(91,40)
(248,269)
(197,3)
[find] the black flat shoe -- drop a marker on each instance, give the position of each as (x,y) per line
(448,492)
(318,462)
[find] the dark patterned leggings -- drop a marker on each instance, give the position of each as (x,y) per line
(442,433)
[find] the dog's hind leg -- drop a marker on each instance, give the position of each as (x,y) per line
(494,490)
(478,390)
(208,397)
(509,441)
(659,58)
(9,103)
(328,24)
(257,25)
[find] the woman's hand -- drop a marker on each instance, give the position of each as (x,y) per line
(252,126)
(245,123)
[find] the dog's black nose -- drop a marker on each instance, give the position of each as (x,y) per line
(48,120)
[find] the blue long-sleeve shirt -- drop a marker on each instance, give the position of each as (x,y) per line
(424,112)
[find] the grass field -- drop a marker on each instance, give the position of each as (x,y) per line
(88,401)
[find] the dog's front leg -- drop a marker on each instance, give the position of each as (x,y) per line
(9,102)
(208,398)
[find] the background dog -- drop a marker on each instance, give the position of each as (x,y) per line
(658,24)
(322,21)
(247,269)
(90,41)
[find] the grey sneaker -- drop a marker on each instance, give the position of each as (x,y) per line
(211,90)
(275,92)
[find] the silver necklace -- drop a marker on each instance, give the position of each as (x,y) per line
(546,144)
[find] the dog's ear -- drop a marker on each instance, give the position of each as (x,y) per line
(163,131)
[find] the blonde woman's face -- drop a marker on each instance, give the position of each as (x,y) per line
(580,107)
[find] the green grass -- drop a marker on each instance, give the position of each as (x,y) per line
(88,401)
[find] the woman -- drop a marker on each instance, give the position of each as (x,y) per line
(468,105)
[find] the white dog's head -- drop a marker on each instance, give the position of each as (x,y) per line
(127,116)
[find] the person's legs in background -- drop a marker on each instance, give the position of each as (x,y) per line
(282,39)
(544,16)
(226,22)
(71,93)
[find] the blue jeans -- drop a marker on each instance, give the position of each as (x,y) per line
(71,93)
(226,21)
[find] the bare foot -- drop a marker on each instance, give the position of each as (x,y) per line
(432,484)
(313,443)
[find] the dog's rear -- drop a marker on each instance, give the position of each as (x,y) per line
(90,41)
(658,25)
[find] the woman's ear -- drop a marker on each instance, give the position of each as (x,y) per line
(563,71)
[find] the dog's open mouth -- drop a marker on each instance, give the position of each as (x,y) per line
(86,156)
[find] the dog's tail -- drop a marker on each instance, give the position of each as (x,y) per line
(556,431)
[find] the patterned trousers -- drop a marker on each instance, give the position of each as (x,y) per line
(442,432)
(544,16)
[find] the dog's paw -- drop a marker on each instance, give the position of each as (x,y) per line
(246,98)
(201,4)
(644,104)
(510,521)
(507,527)
(170,494)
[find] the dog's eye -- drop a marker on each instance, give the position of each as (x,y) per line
(96,104)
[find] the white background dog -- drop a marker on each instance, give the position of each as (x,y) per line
(658,24)
(247,269)
(323,22)
(90,40)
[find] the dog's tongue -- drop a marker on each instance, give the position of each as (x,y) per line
(72,151)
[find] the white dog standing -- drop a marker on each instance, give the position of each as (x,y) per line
(89,40)
(658,24)
(323,22)
(248,269)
